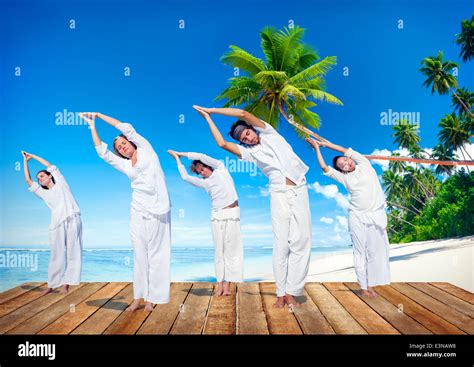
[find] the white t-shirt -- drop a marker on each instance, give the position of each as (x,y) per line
(219,185)
(59,198)
(362,184)
(275,158)
(150,193)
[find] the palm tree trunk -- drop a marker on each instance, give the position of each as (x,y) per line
(404,221)
(415,211)
(462,102)
(462,152)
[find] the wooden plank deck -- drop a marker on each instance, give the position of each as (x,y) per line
(326,308)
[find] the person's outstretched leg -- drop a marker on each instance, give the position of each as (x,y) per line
(280,212)
(72,275)
(299,243)
(218,238)
(159,255)
(358,232)
(57,262)
(140,256)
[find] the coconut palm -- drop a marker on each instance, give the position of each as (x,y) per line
(454,134)
(286,84)
(466,39)
(439,76)
(443,153)
(466,96)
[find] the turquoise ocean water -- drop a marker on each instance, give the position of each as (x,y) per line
(19,265)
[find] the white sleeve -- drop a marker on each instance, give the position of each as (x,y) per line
(131,134)
(56,173)
(198,182)
(245,154)
(37,190)
(268,129)
(214,163)
(357,157)
(335,175)
(111,158)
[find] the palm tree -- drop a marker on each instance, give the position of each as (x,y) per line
(466,39)
(466,96)
(406,135)
(443,153)
(287,84)
(454,134)
(439,76)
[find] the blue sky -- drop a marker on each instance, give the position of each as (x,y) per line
(82,69)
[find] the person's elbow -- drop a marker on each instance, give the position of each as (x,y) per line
(245,115)
(222,144)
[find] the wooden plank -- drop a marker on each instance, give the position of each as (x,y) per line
(428,319)
(163,317)
(101,319)
(17,291)
(340,320)
(22,299)
(192,317)
(128,322)
(221,317)
(71,320)
(310,318)
(370,320)
(23,313)
(279,320)
(399,320)
(53,312)
(455,291)
(445,297)
(250,315)
(455,317)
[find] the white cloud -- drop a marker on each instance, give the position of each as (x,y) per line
(326,220)
(341,224)
(331,192)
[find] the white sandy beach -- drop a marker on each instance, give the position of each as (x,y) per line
(427,261)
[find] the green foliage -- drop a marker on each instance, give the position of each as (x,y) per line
(286,84)
(449,214)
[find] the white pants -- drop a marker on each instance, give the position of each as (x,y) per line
(291,222)
(151,239)
(66,253)
(228,256)
(371,248)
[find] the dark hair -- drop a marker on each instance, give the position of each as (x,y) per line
(334,163)
(115,149)
(237,126)
(49,174)
(193,166)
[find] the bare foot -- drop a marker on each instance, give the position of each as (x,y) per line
(47,291)
(291,301)
(148,307)
(280,302)
(226,289)
(64,289)
(134,306)
(372,293)
(365,293)
(219,291)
